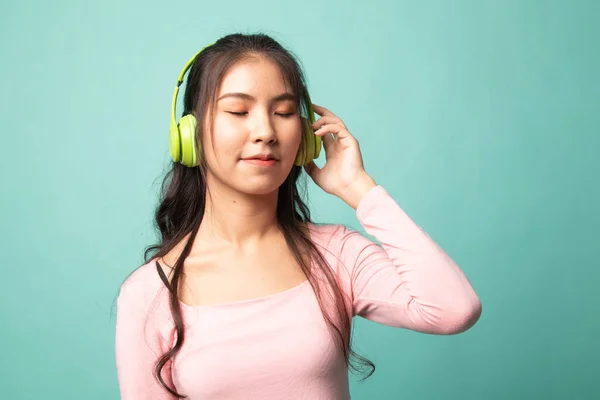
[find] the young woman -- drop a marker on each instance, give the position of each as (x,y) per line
(245,297)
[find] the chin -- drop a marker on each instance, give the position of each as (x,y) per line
(249,183)
(259,188)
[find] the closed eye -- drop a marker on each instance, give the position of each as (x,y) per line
(242,113)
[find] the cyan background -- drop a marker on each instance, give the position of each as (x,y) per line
(480,117)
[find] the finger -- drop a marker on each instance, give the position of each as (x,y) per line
(339,131)
(328,139)
(322,110)
(328,120)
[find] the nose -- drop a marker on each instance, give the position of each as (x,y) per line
(264,131)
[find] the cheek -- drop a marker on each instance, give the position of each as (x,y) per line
(224,142)
(292,138)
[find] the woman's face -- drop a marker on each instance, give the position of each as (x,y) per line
(256,131)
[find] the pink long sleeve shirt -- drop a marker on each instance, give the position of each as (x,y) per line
(279,346)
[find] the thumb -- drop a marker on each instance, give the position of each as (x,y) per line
(313,170)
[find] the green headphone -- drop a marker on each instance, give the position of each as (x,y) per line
(182,134)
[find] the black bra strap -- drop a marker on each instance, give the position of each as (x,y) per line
(162,275)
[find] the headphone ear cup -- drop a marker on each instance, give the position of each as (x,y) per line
(187,130)
(304,146)
(312,145)
(175,142)
(318,145)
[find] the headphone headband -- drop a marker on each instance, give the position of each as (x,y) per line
(179,82)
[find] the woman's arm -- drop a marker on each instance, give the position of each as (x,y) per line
(138,346)
(409,281)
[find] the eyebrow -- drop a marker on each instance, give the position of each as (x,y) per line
(246,96)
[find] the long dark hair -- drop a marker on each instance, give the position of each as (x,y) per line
(183,196)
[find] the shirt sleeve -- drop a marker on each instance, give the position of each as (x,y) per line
(138,345)
(408,281)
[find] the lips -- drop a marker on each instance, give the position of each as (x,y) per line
(262,160)
(261,157)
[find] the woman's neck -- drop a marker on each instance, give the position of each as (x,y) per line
(237,218)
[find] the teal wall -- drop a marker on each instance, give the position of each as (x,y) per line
(480,117)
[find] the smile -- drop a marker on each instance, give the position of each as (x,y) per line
(259,162)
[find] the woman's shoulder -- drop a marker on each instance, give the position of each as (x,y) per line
(143,283)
